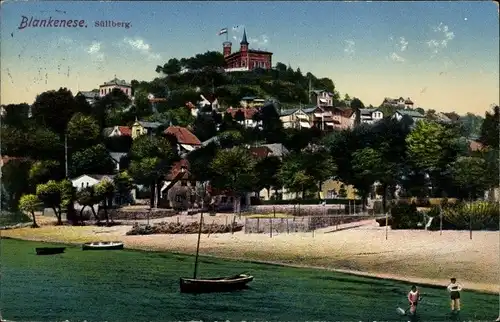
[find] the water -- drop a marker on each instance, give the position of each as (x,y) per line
(140,286)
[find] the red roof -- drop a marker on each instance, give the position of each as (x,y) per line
(176,169)
(475,146)
(125,130)
(260,151)
(183,135)
(248,112)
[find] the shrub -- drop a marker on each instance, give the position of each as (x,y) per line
(480,215)
(178,228)
(8,218)
(406,216)
(310,201)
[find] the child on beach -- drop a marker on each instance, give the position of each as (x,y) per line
(454,288)
(413,298)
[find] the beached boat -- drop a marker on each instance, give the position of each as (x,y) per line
(221,284)
(103,245)
(49,250)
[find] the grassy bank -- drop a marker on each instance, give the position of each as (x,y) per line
(141,286)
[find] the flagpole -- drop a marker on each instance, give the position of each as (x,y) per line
(227,36)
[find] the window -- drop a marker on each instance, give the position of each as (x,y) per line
(87,184)
(138,132)
(82,184)
(178,198)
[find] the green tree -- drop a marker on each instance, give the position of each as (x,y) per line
(30,204)
(234,171)
(357,106)
(267,170)
(490,128)
(173,66)
(43,171)
(151,159)
(469,173)
(123,183)
(54,109)
(14,176)
(86,197)
(105,192)
(16,115)
(83,131)
(294,176)
(50,195)
(368,167)
(92,160)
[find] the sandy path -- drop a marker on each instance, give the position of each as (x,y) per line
(416,256)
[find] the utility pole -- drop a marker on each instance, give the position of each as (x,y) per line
(310,90)
(66,153)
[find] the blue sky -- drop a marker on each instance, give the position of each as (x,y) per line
(444,55)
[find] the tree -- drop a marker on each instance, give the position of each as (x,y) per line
(272,127)
(469,173)
(200,161)
(43,171)
(239,116)
(54,109)
(490,129)
(368,167)
(267,170)
(15,175)
(82,105)
(151,159)
(34,142)
(94,159)
(123,183)
(234,171)
(16,115)
(357,106)
(293,175)
(104,192)
(173,66)
(50,195)
(83,131)
(30,204)
(86,197)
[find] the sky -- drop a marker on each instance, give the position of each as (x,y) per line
(443,55)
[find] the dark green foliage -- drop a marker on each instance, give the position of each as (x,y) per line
(406,216)
(339,201)
(9,218)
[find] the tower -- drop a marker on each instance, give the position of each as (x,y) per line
(226,46)
(244,42)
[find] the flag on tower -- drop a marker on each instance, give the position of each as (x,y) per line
(222,31)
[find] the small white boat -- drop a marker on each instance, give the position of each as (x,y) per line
(103,245)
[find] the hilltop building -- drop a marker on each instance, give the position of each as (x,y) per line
(108,87)
(245,59)
(398,102)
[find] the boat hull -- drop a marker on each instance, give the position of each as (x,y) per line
(222,284)
(103,246)
(49,250)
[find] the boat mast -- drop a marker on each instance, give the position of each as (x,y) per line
(199,233)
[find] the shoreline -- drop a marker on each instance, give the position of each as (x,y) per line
(421,282)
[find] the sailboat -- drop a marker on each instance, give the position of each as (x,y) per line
(217,284)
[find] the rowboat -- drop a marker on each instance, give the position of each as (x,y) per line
(49,250)
(114,245)
(220,284)
(205,285)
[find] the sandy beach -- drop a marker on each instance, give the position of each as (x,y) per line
(360,248)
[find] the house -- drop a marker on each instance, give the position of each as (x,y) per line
(90,96)
(341,118)
(441,118)
(108,87)
(413,115)
(249,113)
(140,127)
(322,98)
(398,102)
(245,59)
(177,189)
(186,140)
(117,131)
(368,115)
(89,180)
(294,118)
(251,101)
(267,150)
(116,157)
(332,189)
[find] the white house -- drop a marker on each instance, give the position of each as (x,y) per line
(414,115)
(369,115)
(88,180)
(322,98)
(90,96)
(398,102)
(294,118)
(108,87)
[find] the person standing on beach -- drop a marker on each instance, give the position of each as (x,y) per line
(413,298)
(454,288)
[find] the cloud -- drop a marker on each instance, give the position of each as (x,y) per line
(444,36)
(94,50)
(261,41)
(403,43)
(349,48)
(141,46)
(395,57)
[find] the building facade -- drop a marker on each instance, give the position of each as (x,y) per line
(245,59)
(108,87)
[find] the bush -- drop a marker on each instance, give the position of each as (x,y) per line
(178,228)
(481,215)
(8,218)
(406,216)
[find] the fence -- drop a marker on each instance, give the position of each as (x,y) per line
(307,210)
(298,224)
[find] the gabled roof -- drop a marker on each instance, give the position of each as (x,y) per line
(289,111)
(116,156)
(176,169)
(125,130)
(260,151)
(97,177)
(367,111)
(149,125)
(410,113)
(116,81)
(248,112)
(183,135)
(310,109)
(277,149)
